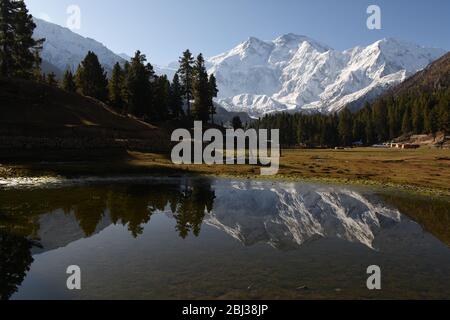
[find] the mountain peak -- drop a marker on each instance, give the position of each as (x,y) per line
(254,39)
(253,46)
(393,42)
(294,40)
(396,43)
(297,73)
(255,42)
(292,37)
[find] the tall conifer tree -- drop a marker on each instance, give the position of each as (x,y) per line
(7,34)
(140,76)
(115,88)
(162,98)
(213,91)
(26,48)
(236,122)
(19,51)
(345,127)
(91,78)
(51,79)
(176,99)
(201,91)
(406,122)
(68,82)
(185,73)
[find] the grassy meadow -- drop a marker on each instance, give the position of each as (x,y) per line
(425,169)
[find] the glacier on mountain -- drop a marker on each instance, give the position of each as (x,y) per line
(297,73)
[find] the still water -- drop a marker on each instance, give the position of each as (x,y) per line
(186,238)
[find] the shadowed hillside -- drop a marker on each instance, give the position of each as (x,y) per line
(36,116)
(435,77)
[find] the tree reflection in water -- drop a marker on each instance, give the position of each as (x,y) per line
(129,205)
(15,262)
(71,213)
(190,208)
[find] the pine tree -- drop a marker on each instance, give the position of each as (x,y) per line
(392,122)
(370,132)
(300,132)
(236,122)
(19,51)
(201,91)
(380,114)
(124,91)
(26,48)
(417,118)
(333,136)
(444,115)
(139,86)
(213,91)
(7,35)
(68,82)
(91,78)
(345,127)
(406,122)
(162,98)
(431,124)
(185,73)
(51,79)
(41,77)
(115,88)
(358,132)
(176,99)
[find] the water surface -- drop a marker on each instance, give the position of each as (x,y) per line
(214,239)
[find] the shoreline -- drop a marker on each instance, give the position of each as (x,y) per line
(374,185)
(424,171)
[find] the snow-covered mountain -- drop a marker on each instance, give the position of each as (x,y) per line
(58,229)
(298,73)
(290,73)
(65,49)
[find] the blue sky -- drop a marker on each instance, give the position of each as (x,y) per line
(164,28)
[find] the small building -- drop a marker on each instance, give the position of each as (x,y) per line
(395,145)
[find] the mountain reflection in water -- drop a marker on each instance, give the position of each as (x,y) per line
(287,216)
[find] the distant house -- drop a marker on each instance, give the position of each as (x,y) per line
(403,145)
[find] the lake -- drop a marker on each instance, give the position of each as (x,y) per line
(201,238)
